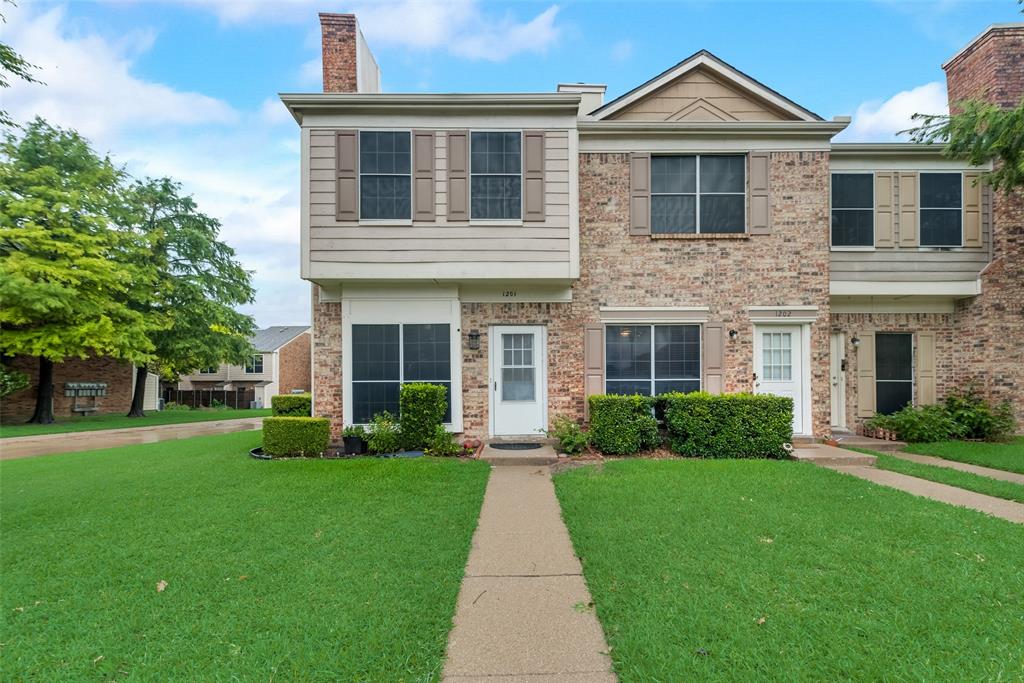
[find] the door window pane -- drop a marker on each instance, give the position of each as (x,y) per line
(518,374)
(894,371)
(496,168)
(853,211)
(385,171)
(517,384)
(941,209)
(777,356)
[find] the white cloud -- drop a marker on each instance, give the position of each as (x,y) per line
(881,121)
(242,166)
(622,50)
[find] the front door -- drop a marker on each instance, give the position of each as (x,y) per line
(837,372)
(778,365)
(518,380)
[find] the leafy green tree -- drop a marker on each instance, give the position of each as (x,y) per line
(11,381)
(66,277)
(198,284)
(12,63)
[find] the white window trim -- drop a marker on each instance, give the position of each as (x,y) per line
(653,379)
(522,207)
(360,174)
(697,193)
(862,247)
(921,206)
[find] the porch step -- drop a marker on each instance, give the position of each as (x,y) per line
(821,454)
(857,441)
(535,457)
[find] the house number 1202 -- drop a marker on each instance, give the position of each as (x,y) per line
(509,294)
(783,314)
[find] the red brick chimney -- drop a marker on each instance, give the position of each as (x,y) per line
(348,64)
(990,68)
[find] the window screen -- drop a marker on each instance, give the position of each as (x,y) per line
(698,194)
(652,359)
(496,183)
(941,209)
(853,210)
(385,171)
(894,371)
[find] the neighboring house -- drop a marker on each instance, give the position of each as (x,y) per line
(281,365)
(701,231)
(81,386)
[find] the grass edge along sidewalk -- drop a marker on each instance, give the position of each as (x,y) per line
(93,423)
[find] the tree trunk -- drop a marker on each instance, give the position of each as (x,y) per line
(44,394)
(139,395)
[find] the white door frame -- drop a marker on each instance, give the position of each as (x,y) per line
(805,368)
(837,389)
(540,359)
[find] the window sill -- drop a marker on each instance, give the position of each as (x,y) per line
(699,236)
(398,222)
(501,222)
(852,248)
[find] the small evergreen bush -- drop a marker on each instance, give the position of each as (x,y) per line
(707,425)
(291,405)
(285,437)
(441,444)
(421,411)
(621,425)
(572,440)
(384,434)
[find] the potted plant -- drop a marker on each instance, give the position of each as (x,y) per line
(354,438)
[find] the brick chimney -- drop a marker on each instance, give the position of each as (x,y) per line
(990,67)
(349,66)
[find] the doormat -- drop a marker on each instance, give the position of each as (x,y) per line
(517,446)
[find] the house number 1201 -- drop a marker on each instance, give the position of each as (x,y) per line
(509,293)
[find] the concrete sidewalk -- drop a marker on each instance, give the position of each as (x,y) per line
(962,466)
(524,612)
(70,442)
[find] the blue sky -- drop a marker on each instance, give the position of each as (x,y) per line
(188,88)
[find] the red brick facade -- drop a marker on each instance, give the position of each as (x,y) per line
(118,375)
(294,365)
(339,52)
(327,365)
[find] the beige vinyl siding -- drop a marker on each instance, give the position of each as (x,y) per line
(699,95)
(372,247)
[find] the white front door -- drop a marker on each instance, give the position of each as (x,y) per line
(837,375)
(779,366)
(518,380)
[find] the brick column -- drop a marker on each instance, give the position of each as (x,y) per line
(327,393)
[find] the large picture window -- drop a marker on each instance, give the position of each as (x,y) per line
(386,356)
(652,359)
(385,176)
(894,371)
(698,194)
(853,210)
(941,209)
(496,183)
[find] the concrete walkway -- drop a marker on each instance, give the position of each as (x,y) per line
(962,466)
(524,612)
(1007,509)
(51,444)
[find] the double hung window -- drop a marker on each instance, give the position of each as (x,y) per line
(698,193)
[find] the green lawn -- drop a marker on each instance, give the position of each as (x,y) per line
(761,570)
(1001,456)
(304,570)
(98,422)
(944,475)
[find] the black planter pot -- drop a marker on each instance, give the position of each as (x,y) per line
(354,445)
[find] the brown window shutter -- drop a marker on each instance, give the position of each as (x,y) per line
(866,374)
(884,186)
(760,194)
(593,364)
(925,368)
(458,175)
(533,175)
(908,210)
(346,167)
(714,358)
(640,194)
(972,209)
(423,175)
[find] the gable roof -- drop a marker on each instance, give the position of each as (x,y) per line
(273,338)
(731,75)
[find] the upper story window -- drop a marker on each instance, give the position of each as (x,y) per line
(208,371)
(385,175)
(698,194)
(254,365)
(496,184)
(652,359)
(853,210)
(941,209)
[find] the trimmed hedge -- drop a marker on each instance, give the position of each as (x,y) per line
(421,409)
(620,425)
(728,425)
(288,437)
(291,405)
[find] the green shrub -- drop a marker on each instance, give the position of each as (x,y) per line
(421,410)
(296,436)
(977,418)
(358,431)
(571,437)
(384,435)
(728,425)
(620,425)
(176,407)
(291,405)
(916,425)
(441,444)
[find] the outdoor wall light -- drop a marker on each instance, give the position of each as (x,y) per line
(474,339)
(855,341)
(733,335)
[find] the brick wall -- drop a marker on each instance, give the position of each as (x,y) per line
(326,343)
(339,52)
(117,374)
(294,364)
